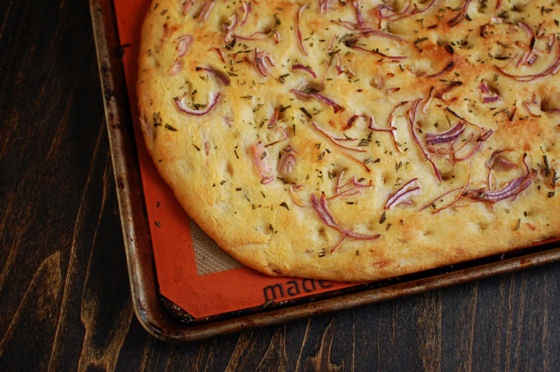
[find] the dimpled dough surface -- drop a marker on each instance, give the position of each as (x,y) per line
(356,140)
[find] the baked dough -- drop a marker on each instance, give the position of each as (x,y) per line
(350,140)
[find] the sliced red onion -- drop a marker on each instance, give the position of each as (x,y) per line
(370,31)
(431,203)
(186,6)
(490,99)
(357,5)
(532,59)
(220,75)
(182,106)
(550,42)
(246,8)
(430,4)
(295,197)
(264,169)
(176,67)
(485,135)
(263,62)
(439,94)
(459,195)
(273,119)
(411,119)
(284,136)
(351,121)
(304,95)
(351,44)
(428,100)
(320,207)
(373,127)
(324,6)
(228,121)
(461,16)
(229,28)
(390,123)
(498,4)
(512,189)
(261,36)
(488,96)
(206,8)
(366,31)
(407,11)
(527,29)
(497,161)
(298,30)
(551,70)
(358,184)
(183,44)
(286,162)
(528,108)
(473,151)
(336,107)
(403,194)
(463,119)
(345,193)
(393,16)
(220,55)
(338,179)
(338,65)
(304,68)
(450,135)
(334,140)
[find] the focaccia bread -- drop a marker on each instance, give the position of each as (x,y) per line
(356,140)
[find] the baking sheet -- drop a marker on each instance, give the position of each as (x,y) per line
(167,227)
(191,270)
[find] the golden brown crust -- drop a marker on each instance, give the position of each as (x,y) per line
(462,85)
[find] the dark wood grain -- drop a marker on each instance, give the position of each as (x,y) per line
(64,295)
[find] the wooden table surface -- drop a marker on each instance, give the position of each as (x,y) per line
(64,295)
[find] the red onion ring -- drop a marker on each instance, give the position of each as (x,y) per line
(206,8)
(403,194)
(359,19)
(325,215)
(304,95)
(176,67)
(264,168)
(411,120)
(263,62)
(450,135)
(304,68)
(286,162)
(221,76)
(552,69)
(333,140)
(284,136)
(246,8)
(461,16)
(230,28)
(183,44)
(298,30)
(212,101)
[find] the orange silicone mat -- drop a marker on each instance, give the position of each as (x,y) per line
(191,271)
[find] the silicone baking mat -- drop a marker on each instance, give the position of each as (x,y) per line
(192,271)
